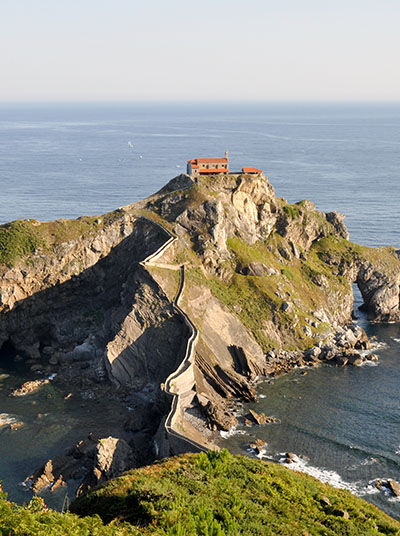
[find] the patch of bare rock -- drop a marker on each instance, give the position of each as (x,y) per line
(258,418)
(88,463)
(343,348)
(217,416)
(16,426)
(387,485)
(30,387)
(290,458)
(257,445)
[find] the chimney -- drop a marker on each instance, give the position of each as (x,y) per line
(226,154)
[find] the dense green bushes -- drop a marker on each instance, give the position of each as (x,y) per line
(36,520)
(17,239)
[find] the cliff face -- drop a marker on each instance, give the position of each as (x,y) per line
(268,286)
(85,308)
(236,222)
(73,301)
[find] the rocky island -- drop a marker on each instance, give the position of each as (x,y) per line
(175,306)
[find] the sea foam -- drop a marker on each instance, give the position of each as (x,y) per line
(233,431)
(324,475)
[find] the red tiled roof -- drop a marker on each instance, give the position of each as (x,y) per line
(208,161)
(251,170)
(212,160)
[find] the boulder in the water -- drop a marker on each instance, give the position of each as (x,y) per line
(30,387)
(259,418)
(257,445)
(290,457)
(394,487)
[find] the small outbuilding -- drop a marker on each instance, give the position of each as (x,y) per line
(252,170)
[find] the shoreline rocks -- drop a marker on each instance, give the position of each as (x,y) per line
(388,485)
(259,418)
(343,348)
(16,425)
(257,445)
(290,458)
(6,420)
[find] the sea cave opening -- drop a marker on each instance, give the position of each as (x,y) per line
(8,354)
(359,312)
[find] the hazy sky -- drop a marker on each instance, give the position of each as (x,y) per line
(191,50)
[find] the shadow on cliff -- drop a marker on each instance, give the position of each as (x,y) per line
(155,354)
(94,305)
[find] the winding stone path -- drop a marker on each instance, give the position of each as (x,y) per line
(179,383)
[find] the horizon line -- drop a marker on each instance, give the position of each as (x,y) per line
(200,101)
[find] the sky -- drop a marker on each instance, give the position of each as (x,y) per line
(185,50)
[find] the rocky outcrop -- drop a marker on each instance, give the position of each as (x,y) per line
(256,269)
(206,217)
(88,463)
(112,456)
(216,415)
(337,220)
(110,317)
(258,446)
(380,292)
(30,387)
(150,327)
(59,300)
(268,287)
(302,225)
(259,418)
(390,486)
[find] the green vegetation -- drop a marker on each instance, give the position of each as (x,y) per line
(21,238)
(383,258)
(257,301)
(37,520)
(17,239)
(154,216)
(218,494)
(293,211)
(213,494)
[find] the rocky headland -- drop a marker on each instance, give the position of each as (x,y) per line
(179,304)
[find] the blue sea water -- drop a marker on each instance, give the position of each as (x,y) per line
(66,160)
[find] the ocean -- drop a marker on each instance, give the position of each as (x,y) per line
(67,160)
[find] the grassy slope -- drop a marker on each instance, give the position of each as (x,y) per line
(220,494)
(36,520)
(21,238)
(257,296)
(213,494)
(255,301)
